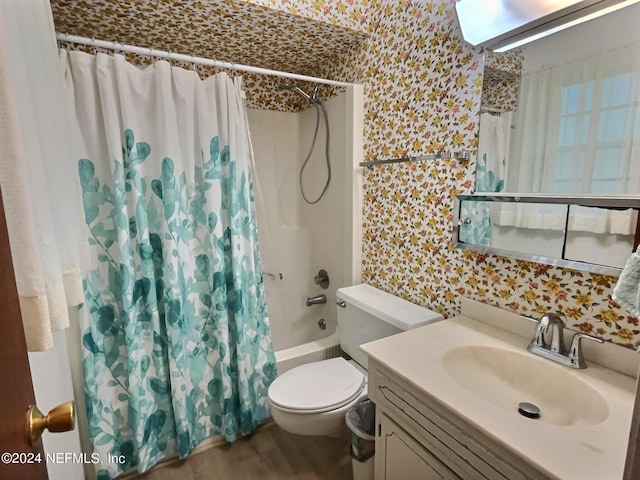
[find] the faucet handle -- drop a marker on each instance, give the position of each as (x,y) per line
(542,326)
(538,336)
(575,351)
(549,321)
(557,336)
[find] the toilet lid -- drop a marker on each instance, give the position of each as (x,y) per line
(324,385)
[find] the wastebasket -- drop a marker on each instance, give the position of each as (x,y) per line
(361,420)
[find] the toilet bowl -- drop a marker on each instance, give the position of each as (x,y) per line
(312,399)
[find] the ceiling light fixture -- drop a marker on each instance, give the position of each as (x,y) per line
(505,24)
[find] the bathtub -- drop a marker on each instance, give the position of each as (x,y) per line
(308,352)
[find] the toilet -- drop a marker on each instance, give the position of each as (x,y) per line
(312,399)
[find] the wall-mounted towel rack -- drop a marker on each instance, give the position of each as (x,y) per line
(491,110)
(461,156)
(275,276)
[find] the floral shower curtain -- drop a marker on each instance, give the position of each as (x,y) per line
(177,343)
(489,177)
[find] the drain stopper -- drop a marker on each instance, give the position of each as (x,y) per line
(528,410)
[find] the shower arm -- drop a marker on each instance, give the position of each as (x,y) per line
(314,94)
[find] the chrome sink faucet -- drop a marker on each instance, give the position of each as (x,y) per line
(555,349)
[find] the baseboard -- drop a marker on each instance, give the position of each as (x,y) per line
(202,447)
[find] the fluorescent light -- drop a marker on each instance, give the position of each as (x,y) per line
(500,25)
(571,23)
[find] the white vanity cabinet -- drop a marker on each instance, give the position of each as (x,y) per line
(447,397)
(417,439)
(400,456)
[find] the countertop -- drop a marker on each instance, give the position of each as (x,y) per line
(577,452)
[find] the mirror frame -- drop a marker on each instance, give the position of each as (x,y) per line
(614,202)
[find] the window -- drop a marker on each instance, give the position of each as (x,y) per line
(597,130)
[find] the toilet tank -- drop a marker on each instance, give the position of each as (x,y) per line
(369,314)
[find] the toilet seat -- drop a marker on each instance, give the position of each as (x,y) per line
(317,387)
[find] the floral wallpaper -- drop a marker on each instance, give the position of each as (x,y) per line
(534,289)
(510,61)
(500,89)
(419,98)
(423,87)
(501,79)
(350,14)
(233,31)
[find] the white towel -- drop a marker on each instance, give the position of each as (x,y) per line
(623,222)
(600,220)
(37,171)
(627,290)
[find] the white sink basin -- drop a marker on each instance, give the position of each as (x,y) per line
(507,377)
(471,371)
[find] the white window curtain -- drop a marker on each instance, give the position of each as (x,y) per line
(578,128)
(37,177)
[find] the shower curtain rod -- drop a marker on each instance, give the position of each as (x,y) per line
(63,37)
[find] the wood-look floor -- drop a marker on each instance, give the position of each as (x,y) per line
(270,453)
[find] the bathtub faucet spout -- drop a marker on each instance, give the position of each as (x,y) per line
(318,299)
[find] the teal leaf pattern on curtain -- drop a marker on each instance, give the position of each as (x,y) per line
(179,345)
(478,232)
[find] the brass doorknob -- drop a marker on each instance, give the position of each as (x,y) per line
(60,419)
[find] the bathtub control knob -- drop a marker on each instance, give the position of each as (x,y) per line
(322,324)
(322,279)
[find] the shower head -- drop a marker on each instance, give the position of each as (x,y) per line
(294,88)
(286,86)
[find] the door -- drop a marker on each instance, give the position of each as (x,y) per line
(398,455)
(18,459)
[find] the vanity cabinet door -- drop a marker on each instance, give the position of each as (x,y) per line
(399,456)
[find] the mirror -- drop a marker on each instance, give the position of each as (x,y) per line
(562,115)
(595,234)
